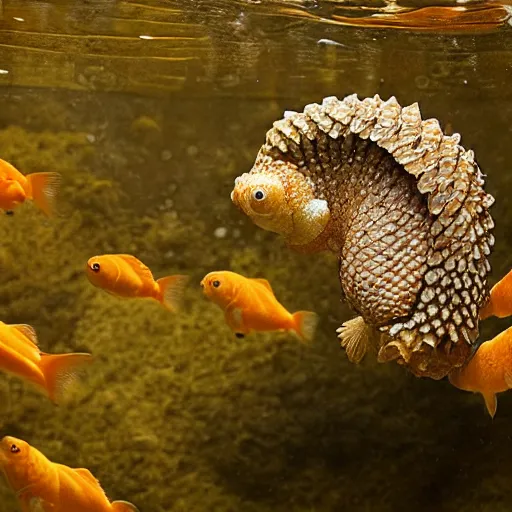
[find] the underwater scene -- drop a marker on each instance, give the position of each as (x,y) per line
(255,255)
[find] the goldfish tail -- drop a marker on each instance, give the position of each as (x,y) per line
(60,371)
(171,291)
(500,301)
(43,190)
(123,506)
(487,311)
(305,323)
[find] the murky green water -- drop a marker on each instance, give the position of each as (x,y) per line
(149,133)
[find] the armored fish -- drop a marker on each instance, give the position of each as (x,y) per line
(402,205)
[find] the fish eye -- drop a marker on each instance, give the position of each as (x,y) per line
(216,284)
(14,449)
(259,195)
(95,267)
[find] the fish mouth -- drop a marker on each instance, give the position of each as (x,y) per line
(235,197)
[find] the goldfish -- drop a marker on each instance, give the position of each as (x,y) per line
(44,486)
(15,188)
(20,356)
(125,276)
(489,371)
(249,304)
(500,302)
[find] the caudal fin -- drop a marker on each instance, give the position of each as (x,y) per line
(305,324)
(124,506)
(44,187)
(171,291)
(500,301)
(60,372)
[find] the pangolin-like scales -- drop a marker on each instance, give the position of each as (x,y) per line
(408,218)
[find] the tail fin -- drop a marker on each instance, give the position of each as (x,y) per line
(123,506)
(43,190)
(171,291)
(487,310)
(60,371)
(305,324)
(500,302)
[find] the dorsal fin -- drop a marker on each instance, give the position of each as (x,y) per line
(28,331)
(138,267)
(89,477)
(264,282)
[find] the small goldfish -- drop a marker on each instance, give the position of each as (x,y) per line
(44,486)
(500,302)
(125,276)
(489,371)
(250,304)
(20,356)
(15,188)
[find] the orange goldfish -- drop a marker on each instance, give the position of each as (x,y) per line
(125,276)
(500,302)
(44,486)
(20,356)
(249,304)
(489,371)
(15,188)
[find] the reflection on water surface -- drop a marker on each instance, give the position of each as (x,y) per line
(150,109)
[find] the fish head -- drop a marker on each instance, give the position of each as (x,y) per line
(278,197)
(219,287)
(15,460)
(23,465)
(12,194)
(101,270)
(263,198)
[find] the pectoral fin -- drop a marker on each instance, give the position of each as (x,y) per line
(491,403)
(235,321)
(36,504)
(309,222)
(355,339)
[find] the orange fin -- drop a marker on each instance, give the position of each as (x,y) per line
(305,324)
(234,318)
(89,477)
(123,506)
(508,379)
(36,504)
(172,289)
(61,371)
(355,339)
(264,282)
(491,403)
(500,303)
(28,331)
(487,310)
(137,266)
(43,190)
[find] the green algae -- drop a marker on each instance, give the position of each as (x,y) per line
(177,414)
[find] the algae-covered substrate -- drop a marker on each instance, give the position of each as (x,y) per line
(177,414)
